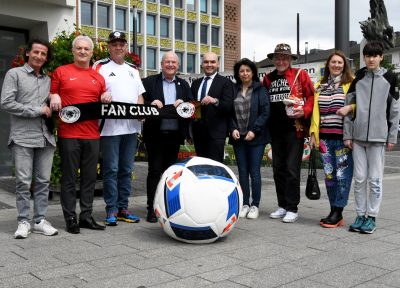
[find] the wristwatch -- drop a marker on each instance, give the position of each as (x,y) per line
(216,101)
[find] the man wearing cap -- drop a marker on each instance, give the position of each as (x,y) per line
(163,137)
(78,142)
(215,92)
(118,139)
(287,132)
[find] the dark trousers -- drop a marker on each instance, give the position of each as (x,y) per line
(204,145)
(162,151)
(287,152)
(78,154)
(248,159)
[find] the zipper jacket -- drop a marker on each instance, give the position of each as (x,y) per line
(376,118)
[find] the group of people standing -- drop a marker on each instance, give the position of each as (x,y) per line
(335,114)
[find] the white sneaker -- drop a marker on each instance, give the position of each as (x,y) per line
(279,213)
(24,228)
(244,211)
(290,217)
(253,213)
(44,227)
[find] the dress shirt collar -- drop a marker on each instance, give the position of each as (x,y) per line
(30,70)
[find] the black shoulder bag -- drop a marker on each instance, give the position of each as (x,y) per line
(312,188)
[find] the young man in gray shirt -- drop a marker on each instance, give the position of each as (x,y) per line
(24,95)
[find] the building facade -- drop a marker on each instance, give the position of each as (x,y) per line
(188,27)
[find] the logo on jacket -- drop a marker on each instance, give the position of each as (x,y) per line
(112,74)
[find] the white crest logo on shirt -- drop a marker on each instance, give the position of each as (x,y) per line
(185,110)
(94,81)
(70,114)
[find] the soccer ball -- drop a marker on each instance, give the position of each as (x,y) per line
(198,201)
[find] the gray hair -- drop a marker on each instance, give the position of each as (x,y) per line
(170,53)
(84,38)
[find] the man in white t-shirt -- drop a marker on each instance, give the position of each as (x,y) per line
(119,136)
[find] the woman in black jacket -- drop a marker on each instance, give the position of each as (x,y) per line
(249,133)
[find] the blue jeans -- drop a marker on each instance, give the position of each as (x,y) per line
(118,154)
(338,167)
(248,159)
(34,162)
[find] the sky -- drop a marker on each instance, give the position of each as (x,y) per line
(266,23)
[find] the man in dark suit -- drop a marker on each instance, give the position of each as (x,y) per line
(216,95)
(163,137)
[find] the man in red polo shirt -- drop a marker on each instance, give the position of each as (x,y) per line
(78,142)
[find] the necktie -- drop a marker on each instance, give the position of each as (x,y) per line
(204,88)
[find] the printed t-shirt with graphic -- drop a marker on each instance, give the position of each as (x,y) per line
(77,85)
(125,85)
(279,122)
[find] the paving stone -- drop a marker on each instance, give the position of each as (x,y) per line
(225,273)
(390,279)
(326,261)
(272,277)
(20,280)
(142,279)
(372,284)
(128,259)
(63,271)
(59,282)
(93,254)
(31,265)
(192,281)
(267,262)
(348,275)
(388,260)
(225,284)
(105,272)
(196,266)
(155,262)
(367,249)
(305,283)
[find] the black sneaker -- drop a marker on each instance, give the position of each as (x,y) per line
(151,216)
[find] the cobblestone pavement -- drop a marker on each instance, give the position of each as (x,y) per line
(258,253)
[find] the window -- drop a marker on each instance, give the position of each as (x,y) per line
(203,34)
(138,22)
(191,63)
(180,57)
(190,5)
(103,16)
(154,1)
(162,52)
(87,13)
(190,32)
(151,25)
(164,2)
(120,21)
(178,4)
(164,27)
(215,36)
(151,58)
(203,6)
(179,29)
(215,7)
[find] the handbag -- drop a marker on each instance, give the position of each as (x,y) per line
(312,187)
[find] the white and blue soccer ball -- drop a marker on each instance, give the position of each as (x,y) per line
(198,201)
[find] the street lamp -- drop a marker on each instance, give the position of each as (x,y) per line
(306,53)
(135,29)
